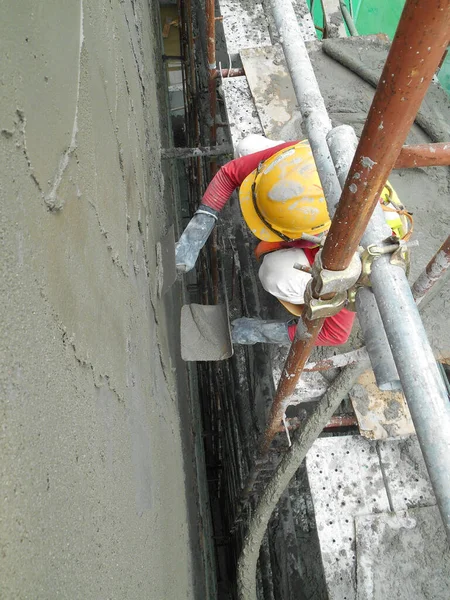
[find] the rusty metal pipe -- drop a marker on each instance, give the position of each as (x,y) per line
(393,108)
(228,73)
(336,422)
(417,48)
(435,269)
(423,155)
(302,345)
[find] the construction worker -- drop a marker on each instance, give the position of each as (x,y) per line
(281,198)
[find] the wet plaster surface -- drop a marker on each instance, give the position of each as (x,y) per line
(97,475)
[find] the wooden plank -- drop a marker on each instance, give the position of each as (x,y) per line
(346,481)
(272,91)
(403,555)
(380,414)
(406,475)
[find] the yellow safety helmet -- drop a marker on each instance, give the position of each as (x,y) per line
(283,197)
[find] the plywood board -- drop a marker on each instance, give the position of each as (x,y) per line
(241,111)
(380,414)
(403,555)
(405,474)
(272,91)
(346,481)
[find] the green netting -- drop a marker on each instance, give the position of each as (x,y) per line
(377,16)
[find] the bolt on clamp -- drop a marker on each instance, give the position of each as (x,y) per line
(329,282)
(400,251)
(317,308)
(391,245)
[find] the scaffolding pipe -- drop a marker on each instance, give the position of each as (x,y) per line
(417,48)
(433,272)
(424,155)
(316,122)
(343,142)
(393,108)
(348,19)
(317,126)
(383,364)
(422,383)
(302,442)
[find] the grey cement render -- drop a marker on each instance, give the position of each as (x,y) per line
(98,491)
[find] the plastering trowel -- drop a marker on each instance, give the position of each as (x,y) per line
(205,332)
(166,272)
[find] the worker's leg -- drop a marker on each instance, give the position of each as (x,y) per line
(254,143)
(279,278)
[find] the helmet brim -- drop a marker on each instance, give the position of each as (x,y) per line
(254,222)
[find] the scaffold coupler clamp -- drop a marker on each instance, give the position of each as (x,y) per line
(400,251)
(326,282)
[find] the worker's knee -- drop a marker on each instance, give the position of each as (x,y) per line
(279,278)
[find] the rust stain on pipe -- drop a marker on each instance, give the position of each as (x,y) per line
(417,48)
(435,269)
(342,421)
(335,422)
(228,73)
(302,345)
(424,155)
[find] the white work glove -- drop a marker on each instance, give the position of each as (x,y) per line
(194,238)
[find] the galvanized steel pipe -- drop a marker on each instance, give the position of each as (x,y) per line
(343,142)
(422,383)
(421,38)
(315,117)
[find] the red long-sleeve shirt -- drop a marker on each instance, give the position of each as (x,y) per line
(336,329)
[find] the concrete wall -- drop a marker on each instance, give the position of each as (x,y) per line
(94,498)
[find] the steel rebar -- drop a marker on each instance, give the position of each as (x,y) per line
(201,151)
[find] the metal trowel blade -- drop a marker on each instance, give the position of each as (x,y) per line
(205,333)
(165,259)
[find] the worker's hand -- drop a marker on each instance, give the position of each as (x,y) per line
(194,238)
